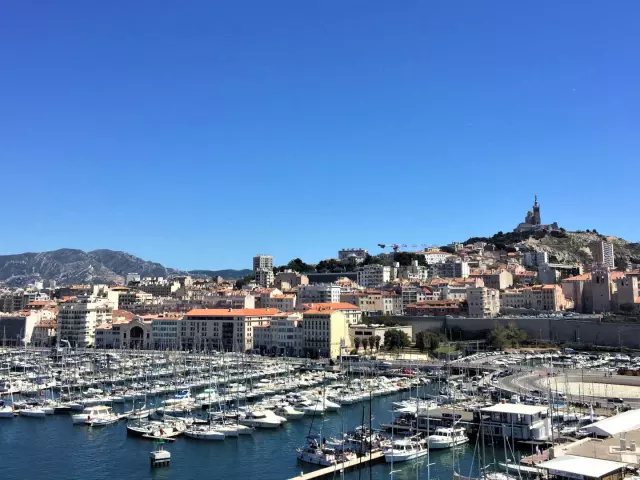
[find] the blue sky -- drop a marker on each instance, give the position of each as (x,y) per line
(199,133)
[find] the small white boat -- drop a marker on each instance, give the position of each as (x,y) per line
(315,453)
(90,413)
(204,432)
(404,449)
(447,437)
(35,412)
(6,412)
(261,419)
(288,412)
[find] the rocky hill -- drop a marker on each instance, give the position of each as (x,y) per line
(566,247)
(71,266)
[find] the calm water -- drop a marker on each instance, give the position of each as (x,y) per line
(54,449)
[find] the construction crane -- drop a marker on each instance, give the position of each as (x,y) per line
(398,246)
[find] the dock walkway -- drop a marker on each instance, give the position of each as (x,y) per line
(375,457)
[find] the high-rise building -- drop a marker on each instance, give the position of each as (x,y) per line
(603,253)
(261,261)
(534,259)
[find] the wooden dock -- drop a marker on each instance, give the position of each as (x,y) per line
(376,457)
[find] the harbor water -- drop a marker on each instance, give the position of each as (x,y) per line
(55,449)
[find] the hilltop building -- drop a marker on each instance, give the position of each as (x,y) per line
(533,220)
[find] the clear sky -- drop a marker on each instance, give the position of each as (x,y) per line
(199,133)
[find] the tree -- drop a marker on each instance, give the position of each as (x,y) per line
(428,341)
(498,337)
(447,249)
(331,265)
(356,343)
(376,341)
(365,343)
(395,339)
(241,282)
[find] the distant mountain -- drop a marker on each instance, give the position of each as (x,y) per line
(228,274)
(71,266)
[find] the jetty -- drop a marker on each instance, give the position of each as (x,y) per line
(361,462)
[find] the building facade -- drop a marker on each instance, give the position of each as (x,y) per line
(319,293)
(371,276)
(483,302)
(326,332)
(78,319)
(602,252)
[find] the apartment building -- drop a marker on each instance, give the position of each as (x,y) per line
(498,280)
(434,308)
(78,319)
(264,277)
(411,294)
(483,302)
(285,302)
(158,286)
(352,313)
(319,293)
(352,256)
(283,336)
(44,333)
(373,275)
(290,279)
(262,262)
(451,268)
(534,259)
(226,329)
(540,297)
(326,332)
(602,252)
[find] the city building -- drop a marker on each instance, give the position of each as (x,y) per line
(498,280)
(262,262)
(434,308)
(533,259)
(627,289)
(602,252)
(556,272)
(371,276)
(451,268)
(44,333)
(165,332)
(289,279)
(222,329)
(283,336)
(539,297)
(483,302)
(319,293)
(264,277)
(158,286)
(16,329)
(285,302)
(326,332)
(78,319)
(132,278)
(352,256)
(412,294)
(352,313)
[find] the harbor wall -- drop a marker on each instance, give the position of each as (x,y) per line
(585,329)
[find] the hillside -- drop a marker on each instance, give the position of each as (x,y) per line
(228,274)
(566,247)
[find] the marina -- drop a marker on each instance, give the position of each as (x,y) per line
(243,413)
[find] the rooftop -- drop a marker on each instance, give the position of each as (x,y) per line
(589,467)
(517,408)
(232,312)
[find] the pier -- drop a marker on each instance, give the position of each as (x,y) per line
(375,457)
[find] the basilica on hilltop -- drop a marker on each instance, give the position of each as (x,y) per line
(532,221)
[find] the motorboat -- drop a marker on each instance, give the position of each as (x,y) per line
(91,412)
(288,412)
(316,453)
(447,437)
(6,411)
(202,432)
(34,412)
(404,449)
(261,419)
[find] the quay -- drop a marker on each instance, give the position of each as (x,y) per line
(375,457)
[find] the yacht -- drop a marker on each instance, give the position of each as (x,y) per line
(288,412)
(35,412)
(6,411)
(91,412)
(261,419)
(404,449)
(447,437)
(204,432)
(313,452)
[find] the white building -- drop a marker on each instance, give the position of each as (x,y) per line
(78,319)
(451,268)
(516,421)
(370,332)
(534,259)
(131,278)
(264,277)
(483,302)
(319,293)
(434,256)
(373,275)
(353,256)
(166,332)
(262,262)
